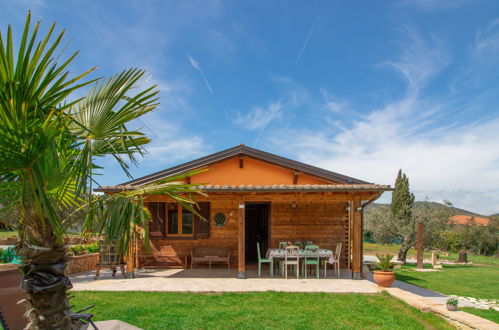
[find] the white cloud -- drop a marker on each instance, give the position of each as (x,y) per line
(259,117)
(487,41)
(331,103)
(419,61)
(444,159)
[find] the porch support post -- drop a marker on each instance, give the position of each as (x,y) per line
(357,238)
(241,262)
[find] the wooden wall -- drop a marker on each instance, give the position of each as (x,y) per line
(177,248)
(323,222)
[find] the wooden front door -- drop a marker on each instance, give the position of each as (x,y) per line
(257,229)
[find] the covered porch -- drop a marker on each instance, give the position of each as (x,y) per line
(326,215)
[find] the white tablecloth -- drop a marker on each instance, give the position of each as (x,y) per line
(281,253)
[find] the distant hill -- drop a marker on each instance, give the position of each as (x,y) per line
(455,210)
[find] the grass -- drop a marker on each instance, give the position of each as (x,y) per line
(476,259)
(257,310)
(373,248)
(5,234)
(488,314)
(461,280)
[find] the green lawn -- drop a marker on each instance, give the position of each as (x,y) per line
(373,248)
(257,310)
(462,280)
(488,314)
(5,234)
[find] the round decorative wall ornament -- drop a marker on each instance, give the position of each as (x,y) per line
(219,219)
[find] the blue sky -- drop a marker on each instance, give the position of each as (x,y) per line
(358,87)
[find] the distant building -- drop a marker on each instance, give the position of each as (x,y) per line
(464,219)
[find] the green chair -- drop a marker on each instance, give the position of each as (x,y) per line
(311,258)
(263,261)
(283,245)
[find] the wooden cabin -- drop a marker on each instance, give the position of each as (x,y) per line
(255,196)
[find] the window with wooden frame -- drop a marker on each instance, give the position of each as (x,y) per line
(170,220)
(180,221)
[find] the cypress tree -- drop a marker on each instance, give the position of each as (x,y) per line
(402,198)
(401,209)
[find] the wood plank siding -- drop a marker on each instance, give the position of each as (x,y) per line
(316,217)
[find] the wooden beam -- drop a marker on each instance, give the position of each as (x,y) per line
(241,221)
(241,161)
(357,238)
(295,177)
(419,246)
(349,247)
(188,180)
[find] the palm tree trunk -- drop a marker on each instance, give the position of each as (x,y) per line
(45,283)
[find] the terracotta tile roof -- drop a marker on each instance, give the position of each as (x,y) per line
(464,219)
(264,188)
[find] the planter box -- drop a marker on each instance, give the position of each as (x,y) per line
(68,240)
(10,294)
(83,263)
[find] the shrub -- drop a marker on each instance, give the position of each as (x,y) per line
(452,241)
(385,263)
(92,248)
(452,301)
(8,255)
(80,249)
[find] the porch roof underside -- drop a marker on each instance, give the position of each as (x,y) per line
(268,188)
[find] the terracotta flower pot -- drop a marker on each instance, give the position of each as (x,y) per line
(451,307)
(384,279)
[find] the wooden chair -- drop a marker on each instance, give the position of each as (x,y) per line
(292,258)
(108,258)
(262,261)
(337,256)
(311,258)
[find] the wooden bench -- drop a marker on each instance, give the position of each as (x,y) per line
(210,255)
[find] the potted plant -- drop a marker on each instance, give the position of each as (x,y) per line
(384,274)
(452,304)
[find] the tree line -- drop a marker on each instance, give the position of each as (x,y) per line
(396,223)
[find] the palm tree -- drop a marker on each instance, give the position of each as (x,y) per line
(49,144)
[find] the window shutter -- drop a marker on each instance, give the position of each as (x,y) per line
(157,226)
(202,226)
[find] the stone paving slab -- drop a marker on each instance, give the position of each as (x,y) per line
(215,280)
(460,318)
(114,325)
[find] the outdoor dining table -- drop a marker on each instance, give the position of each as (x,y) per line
(326,256)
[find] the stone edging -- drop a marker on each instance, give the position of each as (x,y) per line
(459,318)
(82,263)
(75,264)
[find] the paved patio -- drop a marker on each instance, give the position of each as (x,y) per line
(216,280)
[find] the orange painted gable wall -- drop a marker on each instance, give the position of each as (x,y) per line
(255,172)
